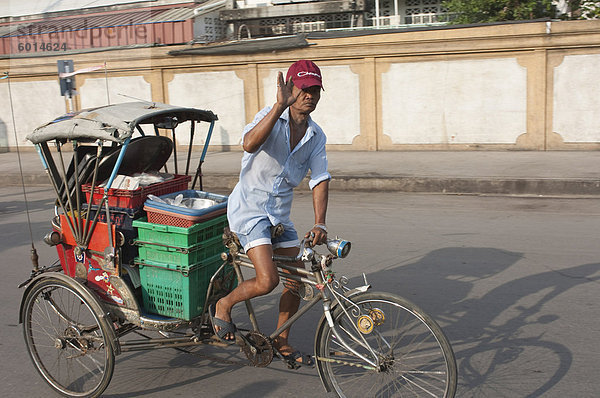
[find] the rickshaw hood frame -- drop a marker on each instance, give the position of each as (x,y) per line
(113,122)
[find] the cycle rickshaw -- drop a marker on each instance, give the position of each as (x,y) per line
(129,262)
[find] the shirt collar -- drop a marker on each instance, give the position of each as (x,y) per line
(310,129)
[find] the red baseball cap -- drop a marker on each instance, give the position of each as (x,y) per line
(304,73)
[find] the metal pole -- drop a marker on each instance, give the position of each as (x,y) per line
(69,97)
(34,255)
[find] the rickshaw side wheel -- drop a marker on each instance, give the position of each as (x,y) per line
(67,338)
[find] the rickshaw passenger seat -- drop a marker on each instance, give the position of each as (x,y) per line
(86,159)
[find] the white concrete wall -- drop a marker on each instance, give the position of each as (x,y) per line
(269,87)
(419,100)
(34,103)
(93,92)
(462,101)
(577,98)
(220,92)
(338,111)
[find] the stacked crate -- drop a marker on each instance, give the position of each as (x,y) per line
(125,206)
(177,262)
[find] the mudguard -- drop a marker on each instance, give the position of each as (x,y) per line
(321,327)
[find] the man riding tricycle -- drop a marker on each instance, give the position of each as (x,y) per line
(142,245)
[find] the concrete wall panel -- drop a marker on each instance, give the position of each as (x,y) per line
(34,103)
(577,98)
(93,91)
(338,112)
(268,86)
(221,92)
(455,102)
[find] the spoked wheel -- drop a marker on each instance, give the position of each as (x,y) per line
(66,338)
(404,352)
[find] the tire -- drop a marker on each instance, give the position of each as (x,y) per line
(416,361)
(67,339)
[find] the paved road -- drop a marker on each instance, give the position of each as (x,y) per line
(513,281)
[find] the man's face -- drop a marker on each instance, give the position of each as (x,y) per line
(307,99)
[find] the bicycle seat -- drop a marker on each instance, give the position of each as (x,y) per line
(277,230)
(230,238)
(231,241)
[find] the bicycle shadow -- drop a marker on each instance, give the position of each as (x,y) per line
(497,350)
(488,322)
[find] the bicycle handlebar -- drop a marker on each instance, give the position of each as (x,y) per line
(338,247)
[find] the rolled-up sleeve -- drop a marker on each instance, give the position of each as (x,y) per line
(257,118)
(318,164)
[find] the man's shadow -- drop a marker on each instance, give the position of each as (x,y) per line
(497,354)
(491,334)
(487,332)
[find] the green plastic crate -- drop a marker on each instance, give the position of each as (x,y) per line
(181,256)
(175,291)
(169,235)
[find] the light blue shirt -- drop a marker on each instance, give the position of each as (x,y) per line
(269,175)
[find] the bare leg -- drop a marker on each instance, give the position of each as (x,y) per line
(288,305)
(265,281)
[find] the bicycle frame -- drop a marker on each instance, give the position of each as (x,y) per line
(313,277)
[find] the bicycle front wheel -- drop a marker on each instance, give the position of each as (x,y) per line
(407,352)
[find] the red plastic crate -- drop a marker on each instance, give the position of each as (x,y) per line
(158,216)
(125,198)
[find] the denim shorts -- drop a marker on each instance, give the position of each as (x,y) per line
(260,234)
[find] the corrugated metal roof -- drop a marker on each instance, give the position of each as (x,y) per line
(6,30)
(30,7)
(98,21)
(172,15)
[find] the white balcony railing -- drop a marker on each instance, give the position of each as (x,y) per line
(307,27)
(414,19)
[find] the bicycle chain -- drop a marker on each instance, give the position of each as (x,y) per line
(356,365)
(245,363)
(261,358)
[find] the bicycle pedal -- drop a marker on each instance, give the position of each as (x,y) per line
(293,365)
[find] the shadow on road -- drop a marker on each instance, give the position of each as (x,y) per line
(497,352)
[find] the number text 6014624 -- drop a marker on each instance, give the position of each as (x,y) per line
(27,47)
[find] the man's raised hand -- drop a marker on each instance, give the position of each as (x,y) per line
(285,96)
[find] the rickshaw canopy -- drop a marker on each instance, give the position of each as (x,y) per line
(116,122)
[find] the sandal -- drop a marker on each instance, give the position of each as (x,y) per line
(299,358)
(225,327)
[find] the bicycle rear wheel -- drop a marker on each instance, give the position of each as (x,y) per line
(412,355)
(67,339)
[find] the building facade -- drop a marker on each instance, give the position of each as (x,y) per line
(520,86)
(170,22)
